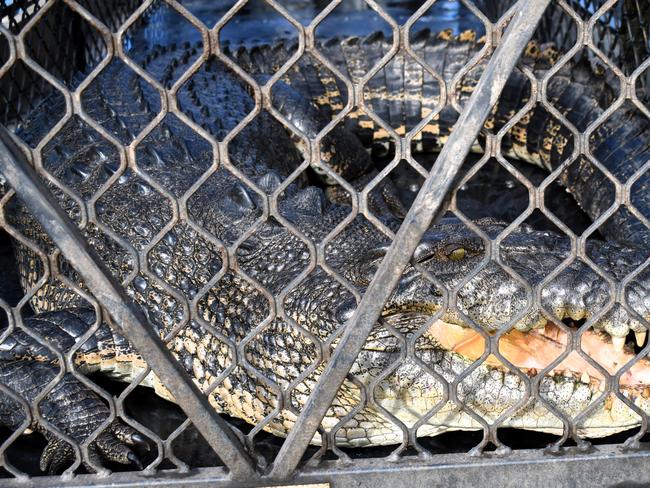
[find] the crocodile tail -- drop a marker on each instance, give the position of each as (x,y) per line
(402,93)
(621,146)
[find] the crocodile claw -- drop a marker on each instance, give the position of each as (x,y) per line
(140,441)
(130,436)
(134,460)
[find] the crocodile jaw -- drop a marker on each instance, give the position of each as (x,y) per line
(537,349)
(572,387)
(402,388)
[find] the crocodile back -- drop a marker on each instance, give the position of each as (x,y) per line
(403,93)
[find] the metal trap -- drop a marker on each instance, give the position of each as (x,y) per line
(219,298)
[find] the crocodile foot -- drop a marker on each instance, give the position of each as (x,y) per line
(112,445)
(70,407)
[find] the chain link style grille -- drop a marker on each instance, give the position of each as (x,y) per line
(65,52)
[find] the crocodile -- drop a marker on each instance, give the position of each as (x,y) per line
(226,256)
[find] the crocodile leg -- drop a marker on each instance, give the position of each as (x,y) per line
(28,368)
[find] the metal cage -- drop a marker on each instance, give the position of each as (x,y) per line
(53,49)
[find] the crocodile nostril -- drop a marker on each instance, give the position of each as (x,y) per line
(345,311)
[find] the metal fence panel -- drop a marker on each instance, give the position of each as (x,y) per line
(392,90)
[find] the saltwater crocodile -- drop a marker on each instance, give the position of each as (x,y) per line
(282,351)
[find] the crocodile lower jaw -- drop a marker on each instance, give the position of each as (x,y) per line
(535,350)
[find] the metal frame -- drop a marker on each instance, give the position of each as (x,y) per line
(528,467)
(608,466)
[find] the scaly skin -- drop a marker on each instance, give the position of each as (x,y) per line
(403,93)
(185,261)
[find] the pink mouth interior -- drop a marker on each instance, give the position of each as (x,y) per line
(535,350)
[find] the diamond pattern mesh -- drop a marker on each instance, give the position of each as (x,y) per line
(226,265)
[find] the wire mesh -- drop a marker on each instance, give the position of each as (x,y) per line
(227,284)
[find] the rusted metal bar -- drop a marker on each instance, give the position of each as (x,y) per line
(527,468)
(131,321)
(425,208)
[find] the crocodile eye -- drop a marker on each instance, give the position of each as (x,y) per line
(456,254)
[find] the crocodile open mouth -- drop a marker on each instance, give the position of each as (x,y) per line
(535,350)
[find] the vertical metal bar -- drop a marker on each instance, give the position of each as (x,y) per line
(132,322)
(425,207)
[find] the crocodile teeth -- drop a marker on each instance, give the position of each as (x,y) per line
(585,377)
(619,343)
(567,373)
(640,338)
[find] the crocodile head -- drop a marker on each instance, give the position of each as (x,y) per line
(446,340)
(450,340)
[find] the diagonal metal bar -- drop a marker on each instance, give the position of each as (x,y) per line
(425,208)
(133,324)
